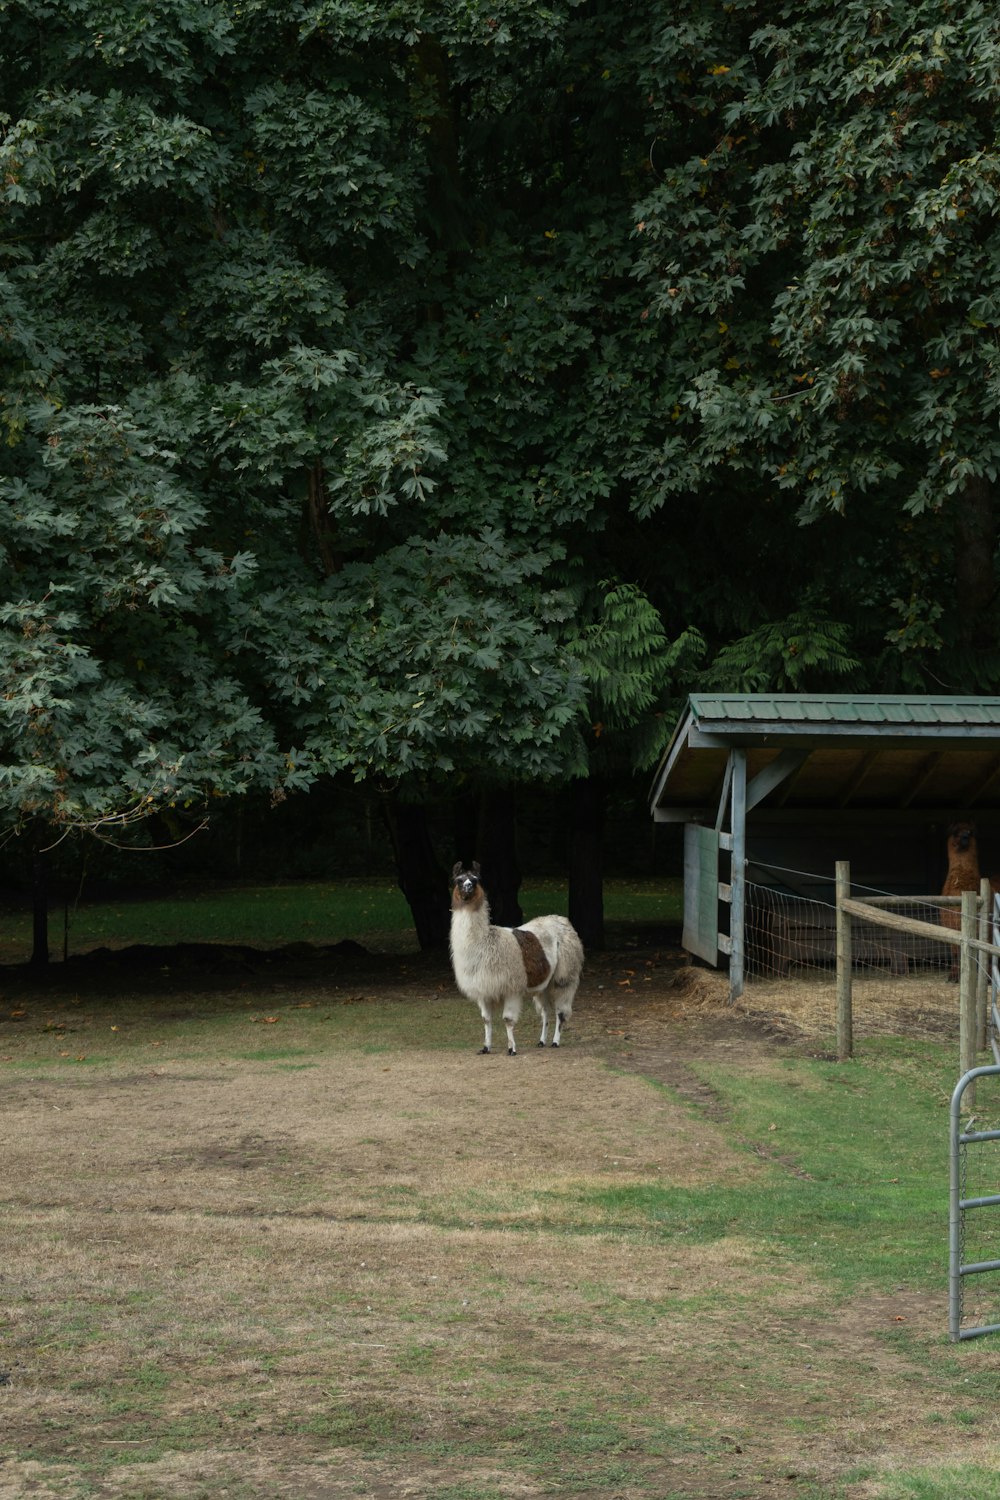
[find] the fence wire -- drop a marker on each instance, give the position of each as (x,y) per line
(903,984)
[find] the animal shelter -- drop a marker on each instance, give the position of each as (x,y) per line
(768,792)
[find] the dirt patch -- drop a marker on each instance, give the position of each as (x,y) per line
(297,1238)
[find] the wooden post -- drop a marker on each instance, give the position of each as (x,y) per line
(738,875)
(967,991)
(983,966)
(845,999)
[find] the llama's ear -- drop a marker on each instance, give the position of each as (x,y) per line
(456,869)
(475,868)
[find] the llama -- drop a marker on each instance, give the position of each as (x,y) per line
(498,966)
(963,875)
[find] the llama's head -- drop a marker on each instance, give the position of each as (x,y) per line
(961,835)
(465,884)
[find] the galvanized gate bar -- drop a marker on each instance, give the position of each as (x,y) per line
(994,1028)
(957,1205)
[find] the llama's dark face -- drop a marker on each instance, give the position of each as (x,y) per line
(465,883)
(961,835)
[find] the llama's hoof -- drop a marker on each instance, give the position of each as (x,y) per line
(539,1044)
(555,1044)
(484,1052)
(511,1051)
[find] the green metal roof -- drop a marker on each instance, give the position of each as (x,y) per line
(914,750)
(841,708)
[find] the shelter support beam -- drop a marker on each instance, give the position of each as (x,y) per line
(783,766)
(738,880)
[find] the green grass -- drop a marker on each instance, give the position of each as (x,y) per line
(861,1153)
(320,912)
(964,1482)
(262,916)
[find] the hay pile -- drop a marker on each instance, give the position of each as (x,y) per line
(921,1003)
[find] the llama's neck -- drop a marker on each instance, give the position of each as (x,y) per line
(471,933)
(963,867)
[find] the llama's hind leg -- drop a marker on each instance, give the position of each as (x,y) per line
(561,997)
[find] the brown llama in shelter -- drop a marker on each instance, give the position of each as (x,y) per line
(963,875)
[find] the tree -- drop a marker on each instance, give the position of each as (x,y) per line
(820,248)
(428,395)
(311,353)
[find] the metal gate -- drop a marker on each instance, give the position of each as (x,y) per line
(960,1206)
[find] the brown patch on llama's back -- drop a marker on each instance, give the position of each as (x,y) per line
(536,965)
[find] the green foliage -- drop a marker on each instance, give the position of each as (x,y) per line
(100,539)
(820,245)
(628,664)
(793,655)
(426,659)
(294,483)
(399,391)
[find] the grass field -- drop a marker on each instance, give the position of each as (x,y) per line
(321,912)
(276,1230)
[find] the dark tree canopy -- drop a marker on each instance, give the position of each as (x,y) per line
(421,394)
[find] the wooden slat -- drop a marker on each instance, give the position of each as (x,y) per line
(701,892)
(897,923)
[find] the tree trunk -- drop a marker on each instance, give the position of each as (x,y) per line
(40,911)
(465,822)
(498,855)
(420,877)
(586,860)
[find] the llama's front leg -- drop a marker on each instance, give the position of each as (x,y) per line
(558,1027)
(544,1018)
(488,1031)
(511,1012)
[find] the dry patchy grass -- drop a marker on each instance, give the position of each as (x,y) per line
(285,1234)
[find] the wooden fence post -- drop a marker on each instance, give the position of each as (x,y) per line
(967,990)
(845,1000)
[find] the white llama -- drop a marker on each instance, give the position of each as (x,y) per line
(498,966)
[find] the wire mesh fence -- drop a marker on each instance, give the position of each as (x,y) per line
(903,983)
